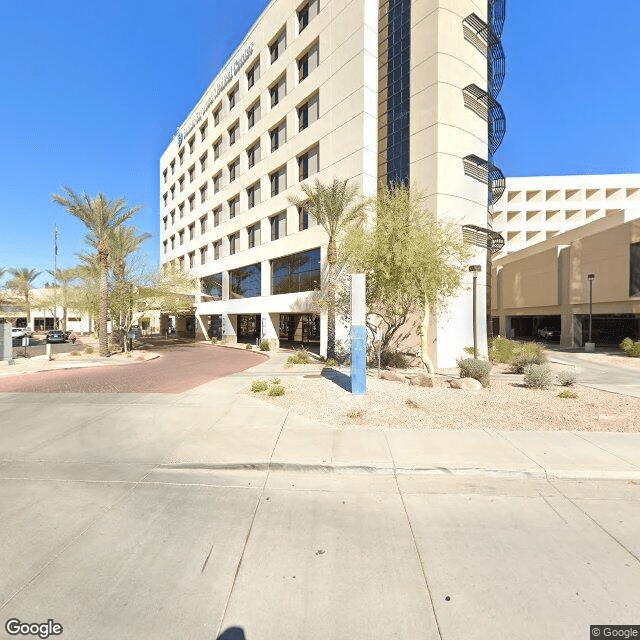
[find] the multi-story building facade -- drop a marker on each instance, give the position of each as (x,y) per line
(370,91)
(537,208)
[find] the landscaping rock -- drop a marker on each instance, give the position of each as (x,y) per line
(390,375)
(421,380)
(466,384)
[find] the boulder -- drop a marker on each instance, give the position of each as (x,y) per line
(421,380)
(390,375)
(467,384)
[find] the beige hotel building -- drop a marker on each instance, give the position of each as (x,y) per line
(370,91)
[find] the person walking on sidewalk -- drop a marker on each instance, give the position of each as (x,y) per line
(73,336)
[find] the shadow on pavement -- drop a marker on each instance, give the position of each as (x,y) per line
(232,633)
(337,377)
(160,344)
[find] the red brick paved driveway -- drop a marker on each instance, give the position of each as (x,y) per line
(179,368)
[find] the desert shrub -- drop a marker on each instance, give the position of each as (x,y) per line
(247,347)
(275,381)
(74,353)
(503,350)
(538,376)
(89,350)
(331,362)
(632,348)
(477,369)
(568,394)
(299,357)
(413,404)
(566,378)
(394,359)
(259,385)
(355,413)
(527,353)
(276,390)
(264,345)
(214,340)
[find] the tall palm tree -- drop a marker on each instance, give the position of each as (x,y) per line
(101,216)
(22,283)
(64,277)
(335,207)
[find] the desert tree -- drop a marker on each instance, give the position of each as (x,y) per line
(21,283)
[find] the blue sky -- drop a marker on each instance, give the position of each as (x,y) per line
(93,91)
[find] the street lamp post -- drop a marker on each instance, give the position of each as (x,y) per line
(475,269)
(591,277)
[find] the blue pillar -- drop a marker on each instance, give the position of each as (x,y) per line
(358,336)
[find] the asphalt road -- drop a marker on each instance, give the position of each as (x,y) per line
(180,367)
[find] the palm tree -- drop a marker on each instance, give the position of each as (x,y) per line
(22,283)
(335,207)
(101,217)
(64,277)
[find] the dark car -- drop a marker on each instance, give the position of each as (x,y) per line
(56,335)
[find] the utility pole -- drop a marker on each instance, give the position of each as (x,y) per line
(55,275)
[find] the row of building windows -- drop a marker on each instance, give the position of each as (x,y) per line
(306,63)
(307,114)
(294,273)
(277,225)
(308,165)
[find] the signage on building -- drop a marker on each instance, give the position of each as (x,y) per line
(226,78)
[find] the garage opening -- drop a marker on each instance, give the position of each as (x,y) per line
(611,329)
(544,328)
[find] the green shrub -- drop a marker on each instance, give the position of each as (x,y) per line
(276,390)
(299,357)
(331,362)
(275,381)
(566,378)
(503,350)
(89,350)
(259,385)
(477,369)
(74,353)
(264,345)
(527,353)
(538,376)
(469,351)
(355,413)
(568,394)
(248,347)
(632,348)
(214,340)
(394,359)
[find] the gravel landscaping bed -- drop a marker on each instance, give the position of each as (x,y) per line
(506,405)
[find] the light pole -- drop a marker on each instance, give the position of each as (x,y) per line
(591,277)
(475,269)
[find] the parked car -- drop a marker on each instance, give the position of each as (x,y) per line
(56,335)
(28,331)
(549,334)
(17,333)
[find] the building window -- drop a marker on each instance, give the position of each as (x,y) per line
(181,263)
(164,223)
(164,176)
(192,144)
(192,260)
(203,192)
(181,236)
(173,166)
(253,233)
(278,226)
(181,210)
(203,130)
(192,202)
(253,114)
(164,247)
(277,47)
(203,162)
(245,282)
(181,156)
(217,248)
(173,216)
(308,62)
(203,254)
(278,180)
(217,214)
(634,269)
(233,133)
(216,115)
(253,154)
(308,112)
(173,191)
(308,163)
(234,169)
(234,243)
(212,286)
(253,195)
(296,272)
(173,242)
(181,184)
(216,148)
(164,199)
(278,90)
(192,172)
(253,74)
(217,179)
(278,135)
(305,219)
(234,207)
(233,97)
(192,231)
(203,224)
(307,12)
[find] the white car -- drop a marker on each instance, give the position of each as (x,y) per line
(17,332)
(549,333)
